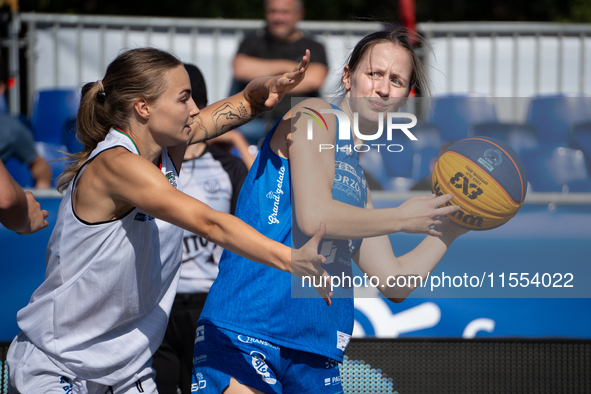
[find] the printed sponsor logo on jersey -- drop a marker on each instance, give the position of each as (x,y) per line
(142,217)
(201,383)
(342,340)
(211,186)
(332,381)
(200,334)
(200,359)
(348,181)
(247,339)
(330,363)
(259,364)
(171,178)
(328,250)
(276,197)
(66,385)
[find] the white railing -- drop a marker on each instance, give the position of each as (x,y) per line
(509,59)
(500,59)
(69,50)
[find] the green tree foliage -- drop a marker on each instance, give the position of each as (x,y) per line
(341,10)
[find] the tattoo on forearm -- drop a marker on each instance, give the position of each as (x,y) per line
(227,117)
(242,110)
(257,103)
(200,128)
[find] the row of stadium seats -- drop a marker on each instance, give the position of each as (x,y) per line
(549,168)
(554,143)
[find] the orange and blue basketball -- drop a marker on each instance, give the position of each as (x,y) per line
(487,179)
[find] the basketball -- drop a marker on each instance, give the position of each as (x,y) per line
(487,179)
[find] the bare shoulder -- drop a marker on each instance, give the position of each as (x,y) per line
(96,197)
(311,104)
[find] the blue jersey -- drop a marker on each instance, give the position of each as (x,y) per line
(263,302)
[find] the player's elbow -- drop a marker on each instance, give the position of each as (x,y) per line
(397,300)
(397,294)
(10,198)
(308,223)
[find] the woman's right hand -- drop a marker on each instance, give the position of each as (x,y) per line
(306,263)
(419,214)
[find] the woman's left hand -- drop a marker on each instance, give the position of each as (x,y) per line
(281,84)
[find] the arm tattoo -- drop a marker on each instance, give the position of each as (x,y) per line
(257,103)
(227,117)
(200,128)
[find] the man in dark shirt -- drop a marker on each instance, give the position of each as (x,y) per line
(276,50)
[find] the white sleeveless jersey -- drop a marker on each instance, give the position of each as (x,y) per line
(103,308)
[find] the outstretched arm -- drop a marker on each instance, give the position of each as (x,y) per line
(312,176)
(144,186)
(259,95)
(19,211)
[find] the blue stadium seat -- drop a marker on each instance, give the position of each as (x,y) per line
(3,104)
(553,117)
(422,162)
(556,170)
(454,115)
(20,172)
(580,138)
(69,136)
(401,169)
(52,153)
(51,110)
(517,136)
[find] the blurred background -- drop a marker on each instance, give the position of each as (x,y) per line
(516,70)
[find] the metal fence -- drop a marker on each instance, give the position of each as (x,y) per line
(501,59)
(509,59)
(68,50)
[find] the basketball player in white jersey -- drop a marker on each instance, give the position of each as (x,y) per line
(114,255)
(213,176)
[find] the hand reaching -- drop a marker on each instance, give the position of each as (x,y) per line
(282,84)
(305,262)
(420,214)
(36,218)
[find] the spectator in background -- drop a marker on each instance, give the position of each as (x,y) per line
(19,211)
(16,140)
(275,50)
(214,177)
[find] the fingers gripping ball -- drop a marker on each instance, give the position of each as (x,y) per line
(487,179)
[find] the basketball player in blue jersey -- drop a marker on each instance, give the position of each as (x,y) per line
(272,342)
(114,256)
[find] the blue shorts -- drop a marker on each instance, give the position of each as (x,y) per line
(220,354)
